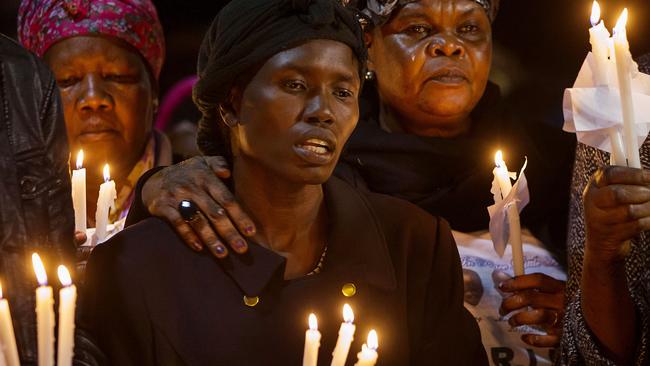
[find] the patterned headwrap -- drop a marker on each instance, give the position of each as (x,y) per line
(379,11)
(41,23)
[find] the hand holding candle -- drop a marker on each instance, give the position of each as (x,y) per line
(67,302)
(368,355)
(346,335)
(312,343)
(105,202)
(79,194)
(7,337)
(44,315)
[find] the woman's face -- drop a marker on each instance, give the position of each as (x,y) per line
(107,99)
(297,112)
(432,61)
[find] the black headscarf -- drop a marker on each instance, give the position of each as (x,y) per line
(248,32)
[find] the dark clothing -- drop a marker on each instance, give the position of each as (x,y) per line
(35,201)
(151,300)
(452,177)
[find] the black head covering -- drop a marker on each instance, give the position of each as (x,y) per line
(248,32)
(379,11)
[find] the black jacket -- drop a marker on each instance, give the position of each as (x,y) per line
(150,300)
(35,202)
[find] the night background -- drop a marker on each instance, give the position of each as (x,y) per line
(539,44)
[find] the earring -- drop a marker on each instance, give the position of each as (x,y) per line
(225,117)
(370,75)
(155,105)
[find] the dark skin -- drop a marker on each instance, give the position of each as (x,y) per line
(617,209)
(108,100)
(290,124)
(432,61)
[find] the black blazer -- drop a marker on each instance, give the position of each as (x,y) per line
(150,300)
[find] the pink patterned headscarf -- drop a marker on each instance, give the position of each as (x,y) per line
(41,23)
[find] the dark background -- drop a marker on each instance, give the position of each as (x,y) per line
(539,44)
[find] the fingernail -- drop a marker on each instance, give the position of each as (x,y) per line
(239,244)
(249,230)
(197,246)
(220,249)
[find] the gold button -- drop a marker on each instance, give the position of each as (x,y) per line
(251,301)
(349,290)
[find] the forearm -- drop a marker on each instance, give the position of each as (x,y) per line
(608,308)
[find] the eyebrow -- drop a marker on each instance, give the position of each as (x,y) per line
(343,76)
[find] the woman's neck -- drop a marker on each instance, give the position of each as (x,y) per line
(291,218)
(446,127)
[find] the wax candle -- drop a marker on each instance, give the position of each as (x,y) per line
(79,194)
(624,72)
(67,303)
(346,335)
(599,38)
(503,179)
(368,355)
(7,337)
(105,201)
(44,315)
(312,343)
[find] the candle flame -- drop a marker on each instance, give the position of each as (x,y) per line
(107,173)
(64,276)
(498,159)
(0,291)
(373,340)
(595,13)
(41,276)
(621,23)
(348,314)
(80,159)
(313,322)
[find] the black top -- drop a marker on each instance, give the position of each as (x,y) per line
(149,299)
(452,177)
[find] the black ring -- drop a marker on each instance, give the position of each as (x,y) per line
(188,210)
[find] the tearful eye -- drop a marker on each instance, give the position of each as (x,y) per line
(295,85)
(469,29)
(418,30)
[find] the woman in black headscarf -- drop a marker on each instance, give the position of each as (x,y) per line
(278,86)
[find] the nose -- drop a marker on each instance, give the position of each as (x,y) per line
(93,96)
(318,109)
(446,45)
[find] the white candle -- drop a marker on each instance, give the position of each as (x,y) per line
(599,39)
(368,355)
(105,201)
(67,302)
(7,337)
(624,72)
(79,194)
(44,315)
(312,343)
(503,179)
(346,335)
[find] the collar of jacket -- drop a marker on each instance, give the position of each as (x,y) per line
(356,244)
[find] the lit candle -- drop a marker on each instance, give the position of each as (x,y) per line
(624,72)
(7,337)
(368,355)
(312,343)
(67,302)
(105,201)
(599,39)
(346,335)
(503,179)
(79,194)
(44,315)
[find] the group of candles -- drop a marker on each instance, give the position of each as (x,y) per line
(45,321)
(105,200)
(625,148)
(366,357)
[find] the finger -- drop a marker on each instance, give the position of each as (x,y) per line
(639,211)
(538,281)
(532,298)
(224,227)
(83,252)
(621,175)
(541,317)
(541,340)
(618,194)
(201,226)
(182,228)
(80,238)
(221,194)
(218,165)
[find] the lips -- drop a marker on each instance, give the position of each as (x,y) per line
(316,147)
(448,76)
(95,129)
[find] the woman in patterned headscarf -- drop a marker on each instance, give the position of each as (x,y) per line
(430,125)
(106,57)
